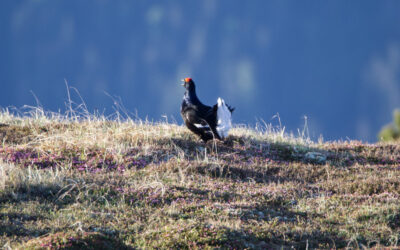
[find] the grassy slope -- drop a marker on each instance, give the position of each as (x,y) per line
(133,184)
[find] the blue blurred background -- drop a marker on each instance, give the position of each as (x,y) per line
(336,62)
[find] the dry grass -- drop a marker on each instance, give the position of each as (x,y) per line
(81,180)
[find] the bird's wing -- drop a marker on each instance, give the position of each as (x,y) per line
(202,126)
(192,116)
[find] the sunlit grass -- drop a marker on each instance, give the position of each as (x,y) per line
(78,178)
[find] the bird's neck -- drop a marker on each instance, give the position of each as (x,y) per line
(190,95)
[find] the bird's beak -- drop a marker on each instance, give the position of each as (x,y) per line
(183,80)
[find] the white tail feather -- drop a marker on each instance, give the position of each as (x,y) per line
(224,119)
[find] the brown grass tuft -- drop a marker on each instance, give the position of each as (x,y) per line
(83,181)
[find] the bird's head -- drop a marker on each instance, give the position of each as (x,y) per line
(188,83)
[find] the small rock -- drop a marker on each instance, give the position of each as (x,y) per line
(262,245)
(249,245)
(201,149)
(315,157)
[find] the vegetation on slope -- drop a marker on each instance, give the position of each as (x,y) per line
(391,132)
(70,182)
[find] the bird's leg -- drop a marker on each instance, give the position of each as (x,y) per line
(205,137)
(202,139)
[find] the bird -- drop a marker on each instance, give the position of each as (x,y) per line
(205,121)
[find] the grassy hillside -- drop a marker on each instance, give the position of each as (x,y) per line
(67,181)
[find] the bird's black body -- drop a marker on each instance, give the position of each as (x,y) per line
(199,118)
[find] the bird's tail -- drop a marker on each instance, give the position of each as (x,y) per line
(224,118)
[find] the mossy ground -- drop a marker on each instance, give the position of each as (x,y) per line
(68,183)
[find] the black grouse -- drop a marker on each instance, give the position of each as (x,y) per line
(205,121)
